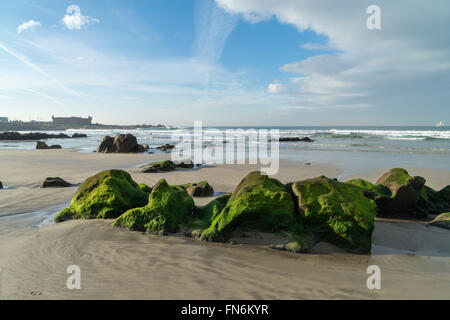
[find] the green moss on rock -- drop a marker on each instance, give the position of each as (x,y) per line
(106,195)
(199,189)
(378,190)
(338,211)
(153,167)
(259,203)
(168,208)
(442,221)
(209,211)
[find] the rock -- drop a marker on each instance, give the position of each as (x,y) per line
(1,185)
(289,139)
(406,196)
(106,195)
(377,190)
(55,183)
(43,146)
(442,221)
(107,145)
(337,212)
(209,211)
(185,165)
(159,166)
(295,139)
(200,189)
(399,195)
(166,147)
(126,143)
(31,136)
(167,209)
(121,143)
(260,203)
(79,135)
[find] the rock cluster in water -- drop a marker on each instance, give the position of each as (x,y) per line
(121,143)
(43,146)
(304,212)
(11,135)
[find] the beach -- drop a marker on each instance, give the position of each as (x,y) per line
(414,258)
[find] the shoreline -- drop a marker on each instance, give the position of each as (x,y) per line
(34,255)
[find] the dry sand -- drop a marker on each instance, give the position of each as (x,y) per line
(118,264)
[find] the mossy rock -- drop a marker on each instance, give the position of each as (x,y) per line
(258,203)
(199,189)
(145,188)
(106,195)
(167,209)
(378,190)
(339,212)
(410,198)
(442,221)
(209,211)
(153,167)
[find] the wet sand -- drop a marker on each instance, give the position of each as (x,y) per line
(117,264)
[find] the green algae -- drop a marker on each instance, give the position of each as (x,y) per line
(167,209)
(260,203)
(166,165)
(199,189)
(378,190)
(340,212)
(106,195)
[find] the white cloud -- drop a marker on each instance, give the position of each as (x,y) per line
(405,65)
(74,20)
(28,25)
(316,46)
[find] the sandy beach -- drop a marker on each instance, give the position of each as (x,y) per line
(117,264)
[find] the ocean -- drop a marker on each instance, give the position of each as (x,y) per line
(358,148)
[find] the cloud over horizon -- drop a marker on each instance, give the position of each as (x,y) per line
(405,64)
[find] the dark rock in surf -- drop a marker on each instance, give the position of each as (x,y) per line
(55,183)
(43,146)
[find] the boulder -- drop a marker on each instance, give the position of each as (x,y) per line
(31,136)
(154,167)
(43,146)
(335,212)
(79,135)
(258,203)
(442,221)
(107,145)
(166,147)
(55,183)
(289,139)
(295,139)
(399,195)
(186,165)
(126,143)
(406,199)
(200,189)
(167,209)
(106,195)
(121,143)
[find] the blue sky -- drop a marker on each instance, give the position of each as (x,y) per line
(226,62)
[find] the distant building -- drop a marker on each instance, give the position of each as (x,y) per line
(72,121)
(4,119)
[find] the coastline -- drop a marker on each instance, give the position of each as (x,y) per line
(35,253)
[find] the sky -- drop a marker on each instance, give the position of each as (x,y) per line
(226,62)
